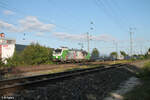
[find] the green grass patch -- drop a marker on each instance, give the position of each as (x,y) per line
(145,71)
(142,91)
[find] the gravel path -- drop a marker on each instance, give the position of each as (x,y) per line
(88,87)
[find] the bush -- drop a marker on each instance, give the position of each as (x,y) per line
(142,91)
(145,72)
(15,60)
(35,54)
(1,63)
(95,53)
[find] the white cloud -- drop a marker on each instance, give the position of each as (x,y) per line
(8,12)
(103,37)
(83,37)
(8,27)
(39,34)
(31,23)
(28,24)
(63,35)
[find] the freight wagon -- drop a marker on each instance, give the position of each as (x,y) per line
(64,54)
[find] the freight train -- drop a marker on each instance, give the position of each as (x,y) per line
(64,54)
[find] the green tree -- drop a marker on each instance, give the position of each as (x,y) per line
(149,49)
(35,54)
(123,53)
(1,63)
(95,53)
(114,54)
(147,54)
(15,60)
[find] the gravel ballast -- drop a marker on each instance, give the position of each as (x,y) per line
(95,86)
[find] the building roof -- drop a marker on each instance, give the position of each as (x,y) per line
(7,38)
(6,41)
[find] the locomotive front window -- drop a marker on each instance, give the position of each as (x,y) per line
(57,51)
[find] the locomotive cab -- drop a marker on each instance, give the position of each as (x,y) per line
(58,54)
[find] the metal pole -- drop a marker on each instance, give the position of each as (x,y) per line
(89,38)
(131,42)
(117,49)
(88,42)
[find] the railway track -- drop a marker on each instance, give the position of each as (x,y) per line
(16,84)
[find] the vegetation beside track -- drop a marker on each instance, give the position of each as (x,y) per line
(142,91)
(51,71)
(34,54)
(47,69)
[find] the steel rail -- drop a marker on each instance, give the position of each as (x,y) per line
(12,85)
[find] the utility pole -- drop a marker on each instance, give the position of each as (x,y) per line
(89,38)
(88,41)
(117,49)
(131,41)
(141,48)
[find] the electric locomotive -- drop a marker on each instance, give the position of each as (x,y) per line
(64,54)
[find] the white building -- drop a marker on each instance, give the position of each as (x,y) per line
(7,47)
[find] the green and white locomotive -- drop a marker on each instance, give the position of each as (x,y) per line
(64,54)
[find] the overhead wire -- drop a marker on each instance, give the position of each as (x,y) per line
(122,16)
(109,12)
(116,16)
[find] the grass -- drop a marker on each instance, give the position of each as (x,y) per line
(142,91)
(71,68)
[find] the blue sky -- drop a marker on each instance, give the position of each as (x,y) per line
(56,23)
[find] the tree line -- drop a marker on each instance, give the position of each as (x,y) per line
(96,54)
(34,54)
